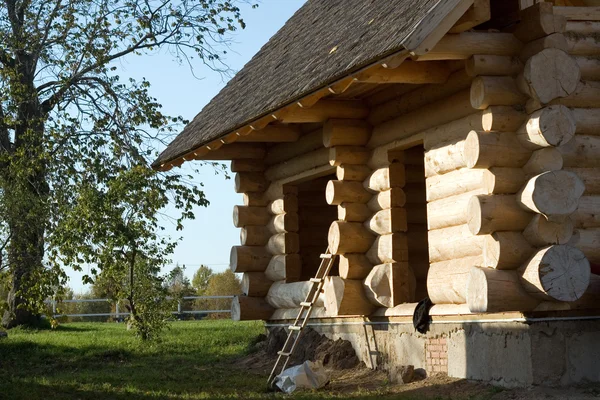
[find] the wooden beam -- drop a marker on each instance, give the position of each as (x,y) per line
(408,72)
(235,151)
(272,133)
(464,45)
(478,13)
(578,13)
(324,110)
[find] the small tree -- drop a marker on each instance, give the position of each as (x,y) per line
(223,284)
(201,279)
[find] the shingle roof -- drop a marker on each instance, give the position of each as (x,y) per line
(299,60)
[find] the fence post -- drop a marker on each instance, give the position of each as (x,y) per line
(179,309)
(53,307)
(117,310)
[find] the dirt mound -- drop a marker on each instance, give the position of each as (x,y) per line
(335,354)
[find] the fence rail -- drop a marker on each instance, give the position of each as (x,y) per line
(118,314)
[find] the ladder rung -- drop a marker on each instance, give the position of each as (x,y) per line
(326,255)
(294,328)
(305,304)
(283,353)
(316,280)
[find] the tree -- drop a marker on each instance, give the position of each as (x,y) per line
(223,284)
(201,279)
(76,139)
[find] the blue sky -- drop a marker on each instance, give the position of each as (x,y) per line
(208,239)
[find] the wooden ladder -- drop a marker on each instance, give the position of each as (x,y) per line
(295,330)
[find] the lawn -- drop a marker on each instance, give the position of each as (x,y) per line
(194,360)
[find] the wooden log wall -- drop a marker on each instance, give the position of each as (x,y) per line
(527,231)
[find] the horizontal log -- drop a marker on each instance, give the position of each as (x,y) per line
(453,131)
(354,266)
(540,232)
(445,157)
(388,285)
(463,45)
(587,94)
(255,199)
(587,214)
(493,290)
(551,126)
(419,97)
(496,180)
(545,81)
(591,297)
(236,151)
(578,13)
(350,172)
(452,243)
(244,308)
(246,215)
(297,165)
(589,68)
(495,91)
(284,243)
(275,133)
(543,160)
(246,182)
(285,151)
(290,295)
(247,166)
(382,179)
(450,211)
(437,113)
(582,151)
(338,192)
(447,280)
(389,248)
(386,221)
(496,213)
(249,259)
(255,284)
(353,212)
(285,267)
(254,235)
(583,45)
(588,241)
(553,194)
(587,120)
(590,177)
(282,223)
(492,65)
(557,272)
(354,155)
(324,110)
(408,72)
(387,199)
(346,297)
(502,118)
(346,132)
(349,237)
(506,250)
(494,149)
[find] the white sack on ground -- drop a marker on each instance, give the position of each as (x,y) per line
(309,375)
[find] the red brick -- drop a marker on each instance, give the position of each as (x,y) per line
(442,341)
(435,355)
(443,354)
(436,368)
(434,341)
(445,348)
(428,354)
(444,361)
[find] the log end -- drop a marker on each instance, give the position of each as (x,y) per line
(477,291)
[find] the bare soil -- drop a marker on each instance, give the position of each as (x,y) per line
(350,377)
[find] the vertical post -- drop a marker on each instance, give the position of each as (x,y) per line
(179,309)
(117,310)
(53,307)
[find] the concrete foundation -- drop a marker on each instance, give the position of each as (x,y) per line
(510,352)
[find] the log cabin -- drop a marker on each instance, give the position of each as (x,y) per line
(447,149)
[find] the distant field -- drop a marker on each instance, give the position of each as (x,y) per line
(194,360)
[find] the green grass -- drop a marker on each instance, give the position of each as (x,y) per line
(194,360)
